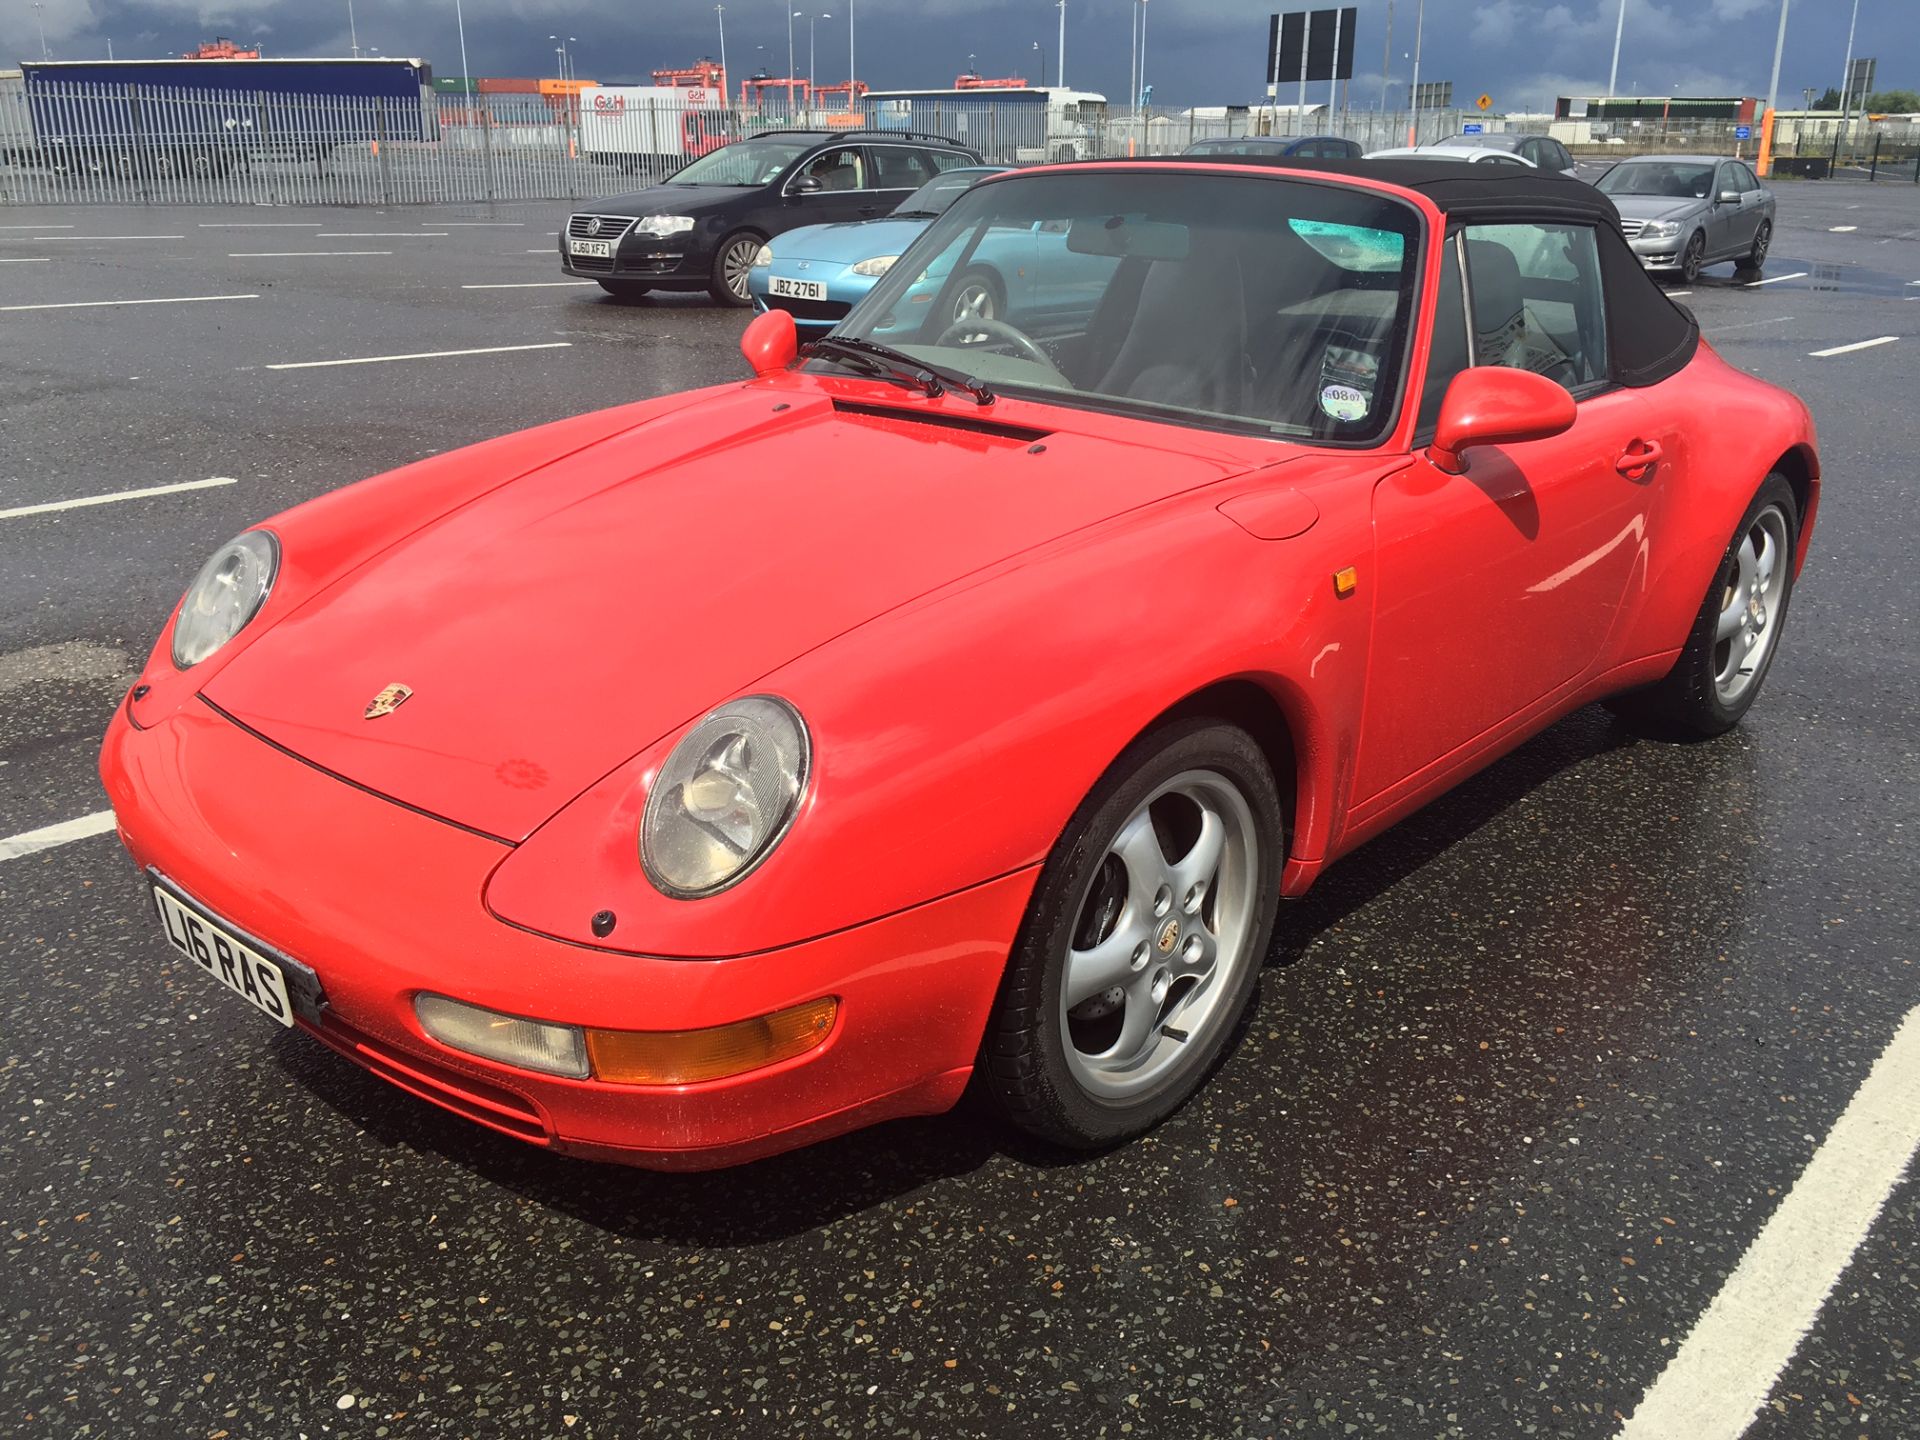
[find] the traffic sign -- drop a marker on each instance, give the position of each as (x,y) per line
(1743,132)
(1472,128)
(1485,102)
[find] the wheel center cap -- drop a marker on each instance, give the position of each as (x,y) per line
(1757,615)
(1169,937)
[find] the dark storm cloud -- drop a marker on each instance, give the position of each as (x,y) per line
(1198,51)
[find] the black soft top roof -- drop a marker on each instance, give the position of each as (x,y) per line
(1465,191)
(1650,336)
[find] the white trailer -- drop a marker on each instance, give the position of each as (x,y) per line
(653,129)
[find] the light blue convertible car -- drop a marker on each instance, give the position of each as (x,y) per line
(818,273)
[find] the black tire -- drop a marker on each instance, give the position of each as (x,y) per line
(1762,240)
(731,259)
(1024,1062)
(1688,703)
(1693,257)
(626,291)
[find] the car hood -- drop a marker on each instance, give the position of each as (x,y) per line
(848,243)
(668,200)
(557,625)
(1653,207)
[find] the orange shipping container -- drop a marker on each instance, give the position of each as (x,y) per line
(503,85)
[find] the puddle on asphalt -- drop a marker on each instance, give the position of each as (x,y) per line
(1819,276)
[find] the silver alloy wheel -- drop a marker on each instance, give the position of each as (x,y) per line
(1760,243)
(737,265)
(1750,604)
(974,302)
(1693,257)
(1159,945)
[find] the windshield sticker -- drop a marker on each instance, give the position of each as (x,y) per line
(1343,402)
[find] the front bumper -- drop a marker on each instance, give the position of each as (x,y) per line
(383,902)
(679,262)
(844,291)
(1662,253)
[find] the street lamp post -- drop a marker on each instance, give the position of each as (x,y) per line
(1043,63)
(792,15)
(1060,50)
(812,20)
(1619,27)
(353,34)
(1413,93)
(1773,88)
(40,20)
(721,12)
(460,20)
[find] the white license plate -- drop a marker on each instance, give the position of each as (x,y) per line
(226,957)
(797,289)
(602,248)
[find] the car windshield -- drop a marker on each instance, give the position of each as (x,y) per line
(749,162)
(1488,142)
(1658,177)
(1271,305)
(938,193)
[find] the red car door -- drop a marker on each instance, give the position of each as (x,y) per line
(1497,587)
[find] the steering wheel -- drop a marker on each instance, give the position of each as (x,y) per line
(999,330)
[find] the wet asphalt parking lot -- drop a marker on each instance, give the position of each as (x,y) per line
(1524,1081)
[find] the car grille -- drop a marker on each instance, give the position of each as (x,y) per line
(1632,228)
(809,309)
(488,1105)
(594,263)
(612,227)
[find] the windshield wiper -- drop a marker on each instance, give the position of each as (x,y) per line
(908,367)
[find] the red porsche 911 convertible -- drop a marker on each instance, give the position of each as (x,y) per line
(959,697)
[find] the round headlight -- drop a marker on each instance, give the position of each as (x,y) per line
(877,266)
(763,257)
(225,595)
(725,797)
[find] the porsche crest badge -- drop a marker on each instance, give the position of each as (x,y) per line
(388,701)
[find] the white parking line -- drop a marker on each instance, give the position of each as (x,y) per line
(1748,324)
(381,235)
(422,355)
(1676,294)
(1721,1376)
(96,304)
(1842,229)
(260,224)
(36,227)
(48,836)
(1775,279)
(23,260)
(85,500)
(263,254)
(484,224)
(529,285)
(109,237)
(1857,345)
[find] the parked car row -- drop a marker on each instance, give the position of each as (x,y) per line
(806,221)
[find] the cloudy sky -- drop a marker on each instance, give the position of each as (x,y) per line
(1199,51)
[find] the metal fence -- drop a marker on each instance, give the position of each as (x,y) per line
(93,143)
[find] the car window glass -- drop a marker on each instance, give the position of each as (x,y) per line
(1673,180)
(948,159)
(748,162)
(898,167)
(1536,300)
(838,170)
(1498,159)
(1276,306)
(1449,355)
(1743,178)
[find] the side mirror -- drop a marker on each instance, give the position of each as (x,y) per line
(1727,197)
(1494,405)
(770,343)
(805,185)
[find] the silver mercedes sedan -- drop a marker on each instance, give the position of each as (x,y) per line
(1681,212)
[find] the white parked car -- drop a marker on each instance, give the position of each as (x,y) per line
(1471,154)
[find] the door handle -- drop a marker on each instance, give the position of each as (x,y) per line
(1639,456)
